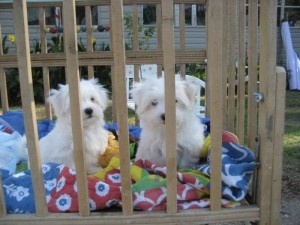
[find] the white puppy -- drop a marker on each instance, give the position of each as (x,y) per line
(149,97)
(57,146)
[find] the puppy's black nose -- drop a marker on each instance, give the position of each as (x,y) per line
(88,111)
(162,116)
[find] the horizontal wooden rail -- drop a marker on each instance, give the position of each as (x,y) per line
(201,216)
(103,2)
(105,58)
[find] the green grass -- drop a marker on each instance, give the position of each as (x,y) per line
(291,141)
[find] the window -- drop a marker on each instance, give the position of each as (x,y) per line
(194,15)
(149,14)
(80,15)
(289,10)
(33,16)
(201,14)
(52,14)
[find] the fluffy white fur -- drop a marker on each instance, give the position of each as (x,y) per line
(57,146)
(150,100)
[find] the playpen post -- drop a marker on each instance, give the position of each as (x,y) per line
(89,43)
(25,75)
(252,71)
(113,74)
(3,85)
(159,35)
(72,72)
(170,130)
(120,98)
(182,36)
(136,47)
(2,200)
(224,63)
(278,144)
(215,33)
(231,65)
(241,71)
(46,81)
(267,78)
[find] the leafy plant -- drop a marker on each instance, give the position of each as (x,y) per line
(146,31)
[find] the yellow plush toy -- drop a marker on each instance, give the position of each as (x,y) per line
(226,137)
(111,151)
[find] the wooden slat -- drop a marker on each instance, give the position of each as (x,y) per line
(113,74)
(135,29)
(232,61)
(46,80)
(25,75)
(196,216)
(267,86)
(215,33)
(120,98)
(89,44)
(169,66)
(278,145)
(3,85)
(182,35)
(159,35)
(3,88)
(72,72)
(224,64)
(2,200)
(106,58)
(241,71)
(99,2)
(252,71)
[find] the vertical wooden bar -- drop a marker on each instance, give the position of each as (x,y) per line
(278,145)
(3,85)
(159,35)
(267,107)
(113,74)
(122,114)
(252,71)
(135,25)
(224,64)
(169,65)
(25,75)
(232,65)
(2,200)
(72,66)
(215,33)
(89,43)
(241,72)
(46,80)
(182,36)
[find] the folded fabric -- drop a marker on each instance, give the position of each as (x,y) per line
(237,168)
(18,189)
(16,120)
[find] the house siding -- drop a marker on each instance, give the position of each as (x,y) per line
(195,36)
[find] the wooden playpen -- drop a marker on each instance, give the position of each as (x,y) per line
(225,106)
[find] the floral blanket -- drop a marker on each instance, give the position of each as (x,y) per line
(148,185)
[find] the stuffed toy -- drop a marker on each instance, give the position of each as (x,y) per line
(111,151)
(226,137)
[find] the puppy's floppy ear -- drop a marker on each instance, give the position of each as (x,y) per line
(190,90)
(137,92)
(101,91)
(60,100)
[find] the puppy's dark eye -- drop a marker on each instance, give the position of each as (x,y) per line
(154,103)
(92,99)
(176,100)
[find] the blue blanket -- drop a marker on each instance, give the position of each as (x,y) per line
(237,166)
